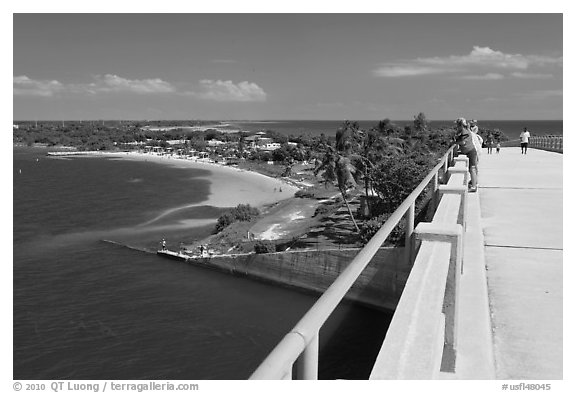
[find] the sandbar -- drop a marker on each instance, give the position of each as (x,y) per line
(229,186)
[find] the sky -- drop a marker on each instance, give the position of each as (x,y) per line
(287,66)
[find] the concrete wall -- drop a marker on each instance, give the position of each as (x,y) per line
(380,284)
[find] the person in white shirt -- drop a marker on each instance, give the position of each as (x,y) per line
(478,141)
(474,126)
(524,138)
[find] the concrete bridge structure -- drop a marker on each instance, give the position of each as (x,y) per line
(484,296)
(520,210)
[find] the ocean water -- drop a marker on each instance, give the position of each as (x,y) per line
(511,128)
(85,308)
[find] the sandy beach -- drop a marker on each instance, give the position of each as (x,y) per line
(229,186)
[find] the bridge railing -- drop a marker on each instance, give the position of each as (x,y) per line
(542,142)
(548,142)
(421,340)
(300,347)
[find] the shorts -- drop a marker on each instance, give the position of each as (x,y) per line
(472,158)
(524,144)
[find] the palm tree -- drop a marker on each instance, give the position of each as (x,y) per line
(288,169)
(375,147)
(338,168)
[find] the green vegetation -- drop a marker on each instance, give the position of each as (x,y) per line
(239,213)
(385,163)
(390,161)
(304,194)
(109,135)
(322,210)
(493,135)
(264,247)
(395,178)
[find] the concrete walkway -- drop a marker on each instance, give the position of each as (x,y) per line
(520,200)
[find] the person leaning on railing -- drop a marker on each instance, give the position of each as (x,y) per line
(465,140)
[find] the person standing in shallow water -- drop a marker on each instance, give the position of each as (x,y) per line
(524,139)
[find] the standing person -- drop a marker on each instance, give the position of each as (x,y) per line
(465,139)
(498,147)
(163,244)
(524,138)
(474,126)
(489,144)
(478,141)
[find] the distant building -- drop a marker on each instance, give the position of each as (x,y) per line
(260,142)
(15,126)
(269,146)
(150,128)
(173,142)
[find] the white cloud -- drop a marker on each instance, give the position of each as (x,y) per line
(214,90)
(481,56)
(114,83)
(228,91)
(24,86)
(541,94)
(486,77)
(400,70)
(525,75)
(481,63)
(108,83)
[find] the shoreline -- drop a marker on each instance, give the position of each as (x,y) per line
(229,186)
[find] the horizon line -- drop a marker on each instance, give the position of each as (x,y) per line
(264,120)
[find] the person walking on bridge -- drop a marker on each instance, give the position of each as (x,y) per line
(524,138)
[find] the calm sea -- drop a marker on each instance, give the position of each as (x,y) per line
(89,309)
(511,128)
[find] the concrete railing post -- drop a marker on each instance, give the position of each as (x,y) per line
(307,363)
(451,233)
(288,375)
(435,191)
(409,217)
(464,171)
(463,192)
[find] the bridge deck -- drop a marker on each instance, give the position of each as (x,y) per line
(517,215)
